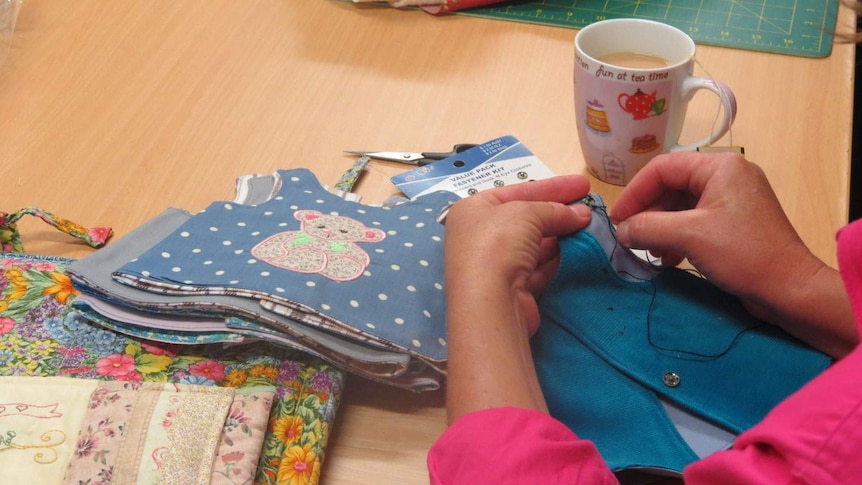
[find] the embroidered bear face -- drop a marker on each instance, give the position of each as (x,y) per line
(325,244)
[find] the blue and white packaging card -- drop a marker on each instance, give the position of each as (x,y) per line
(502,161)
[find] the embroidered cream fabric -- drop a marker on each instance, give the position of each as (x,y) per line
(39,421)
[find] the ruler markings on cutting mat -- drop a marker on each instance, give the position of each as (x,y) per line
(793,27)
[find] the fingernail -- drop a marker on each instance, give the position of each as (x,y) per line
(582,211)
(623,235)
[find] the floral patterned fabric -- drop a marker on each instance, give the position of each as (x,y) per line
(41,336)
(10,239)
(147,432)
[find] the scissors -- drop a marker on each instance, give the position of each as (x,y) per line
(415,158)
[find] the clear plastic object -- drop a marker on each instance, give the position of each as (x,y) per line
(8,16)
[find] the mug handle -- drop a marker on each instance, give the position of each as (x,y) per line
(728,103)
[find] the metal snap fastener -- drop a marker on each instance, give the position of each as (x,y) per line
(670,379)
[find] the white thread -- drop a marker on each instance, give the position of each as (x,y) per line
(722,104)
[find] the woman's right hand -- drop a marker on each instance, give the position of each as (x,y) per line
(719,212)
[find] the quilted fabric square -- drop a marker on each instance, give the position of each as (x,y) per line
(41,336)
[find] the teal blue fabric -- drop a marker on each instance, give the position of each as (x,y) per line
(606,341)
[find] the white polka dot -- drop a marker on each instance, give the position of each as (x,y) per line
(395,267)
(420,225)
(382,297)
(319,201)
(333,213)
(228,207)
(442,341)
(426,313)
(436,238)
(279,198)
(280,289)
(196,250)
(375,223)
(237,251)
(294,207)
(354,303)
(416,343)
(399,321)
(256,233)
(294,179)
(404,218)
(240,224)
(176,269)
(264,273)
(370,325)
(214,229)
(307,191)
(367,273)
(423,262)
(379,251)
(166,255)
(282,224)
(184,234)
(188,282)
(145,273)
(326,307)
(208,262)
(411,288)
(408,245)
(219,272)
(233,282)
(438,286)
(310,284)
(392,233)
(251,261)
(267,213)
(361,211)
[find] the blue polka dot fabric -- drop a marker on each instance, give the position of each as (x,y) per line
(374,273)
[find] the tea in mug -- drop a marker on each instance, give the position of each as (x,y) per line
(634,60)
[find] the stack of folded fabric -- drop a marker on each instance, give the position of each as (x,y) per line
(289,262)
(83,404)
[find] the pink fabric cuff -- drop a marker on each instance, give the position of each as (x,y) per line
(514,446)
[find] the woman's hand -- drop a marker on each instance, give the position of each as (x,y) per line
(500,252)
(720,212)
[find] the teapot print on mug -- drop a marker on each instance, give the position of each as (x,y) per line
(641,105)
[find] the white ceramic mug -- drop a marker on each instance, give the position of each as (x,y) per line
(633,81)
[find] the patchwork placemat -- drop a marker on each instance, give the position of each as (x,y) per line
(41,336)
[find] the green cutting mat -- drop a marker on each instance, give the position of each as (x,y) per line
(794,27)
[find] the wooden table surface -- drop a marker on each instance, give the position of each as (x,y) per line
(111,112)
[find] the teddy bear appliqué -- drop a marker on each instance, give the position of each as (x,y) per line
(325,244)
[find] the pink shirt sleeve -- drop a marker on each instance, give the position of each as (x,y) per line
(514,446)
(814,436)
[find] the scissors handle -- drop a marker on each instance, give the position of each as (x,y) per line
(455,150)
(430,157)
